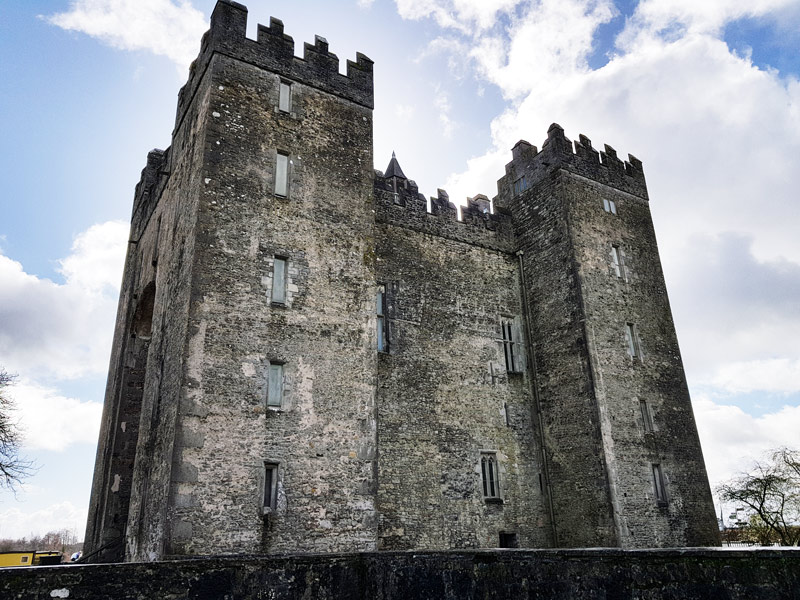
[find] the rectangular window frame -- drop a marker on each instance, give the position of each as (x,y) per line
(618,261)
(513,349)
(659,486)
(281,188)
(269,492)
(275,384)
(610,206)
(490,477)
(634,344)
(284,96)
(647,416)
(520,185)
(280,270)
(380,310)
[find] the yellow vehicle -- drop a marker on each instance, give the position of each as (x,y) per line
(28,558)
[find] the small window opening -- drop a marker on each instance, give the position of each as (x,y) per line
(285,97)
(609,206)
(632,337)
(520,185)
(489,476)
(508,540)
(281,174)
(617,260)
(658,485)
(381,314)
(275,385)
(270,487)
(512,346)
(647,417)
(279,280)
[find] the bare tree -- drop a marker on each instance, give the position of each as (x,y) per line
(770,493)
(13,468)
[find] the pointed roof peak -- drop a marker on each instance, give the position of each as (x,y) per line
(394,170)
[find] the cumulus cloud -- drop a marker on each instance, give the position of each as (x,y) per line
(442,103)
(50,421)
(16,524)
(464,15)
(732,438)
(672,18)
(737,315)
(163,27)
(63,330)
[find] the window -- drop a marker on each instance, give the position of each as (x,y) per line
(512,346)
(520,185)
(279,280)
(658,485)
(508,540)
(609,206)
(270,487)
(285,97)
(281,174)
(632,336)
(647,417)
(275,385)
(490,476)
(381,312)
(617,260)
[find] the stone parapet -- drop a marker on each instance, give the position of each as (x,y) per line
(499,574)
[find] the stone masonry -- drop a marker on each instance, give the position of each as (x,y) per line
(310,356)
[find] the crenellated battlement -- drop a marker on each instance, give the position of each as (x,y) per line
(273,50)
(399,202)
(529,165)
(148,189)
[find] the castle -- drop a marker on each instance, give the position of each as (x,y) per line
(309,357)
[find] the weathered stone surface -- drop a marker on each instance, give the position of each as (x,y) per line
(505,574)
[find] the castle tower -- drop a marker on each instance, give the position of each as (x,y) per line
(246,326)
(622,451)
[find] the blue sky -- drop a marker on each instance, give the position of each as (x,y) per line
(705,94)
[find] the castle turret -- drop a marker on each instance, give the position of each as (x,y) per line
(623,454)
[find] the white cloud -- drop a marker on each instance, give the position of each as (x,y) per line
(404,112)
(737,316)
(780,375)
(50,421)
(17,524)
(162,27)
(365,3)
(732,438)
(464,15)
(442,103)
(49,329)
(671,18)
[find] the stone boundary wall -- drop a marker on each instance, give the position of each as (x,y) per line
(513,574)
